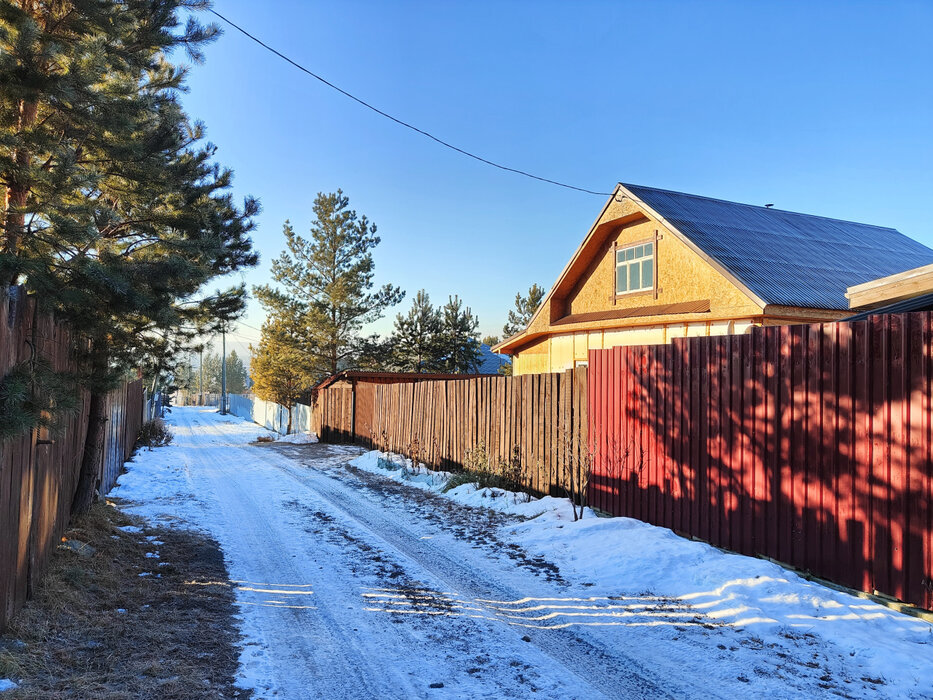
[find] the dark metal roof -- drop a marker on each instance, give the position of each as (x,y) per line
(921,303)
(783,257)
(489,361)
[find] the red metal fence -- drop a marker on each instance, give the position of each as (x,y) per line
(809,444)
(38,476)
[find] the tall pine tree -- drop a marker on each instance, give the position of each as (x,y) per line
(114,212)
(416,341)
(459,347)
(236,374)
(525,307)
(326,293)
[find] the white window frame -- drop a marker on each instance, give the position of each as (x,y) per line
(640,256)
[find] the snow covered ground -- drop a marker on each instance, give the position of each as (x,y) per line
(357,578)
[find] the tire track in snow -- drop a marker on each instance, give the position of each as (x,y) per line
(610,671)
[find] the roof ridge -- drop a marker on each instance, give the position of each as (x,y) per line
(758,206)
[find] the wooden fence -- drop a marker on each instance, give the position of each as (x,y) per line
(808,444)
(38,473)
(536,422)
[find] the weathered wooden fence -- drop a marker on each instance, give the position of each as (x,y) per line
(808,444)
(536,422)
(39,472)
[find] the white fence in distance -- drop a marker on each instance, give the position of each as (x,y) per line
(270,415)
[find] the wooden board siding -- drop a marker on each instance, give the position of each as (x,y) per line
(808,444)
(38,473)
(538,420)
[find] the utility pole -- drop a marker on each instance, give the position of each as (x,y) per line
(223,371)
(201,374)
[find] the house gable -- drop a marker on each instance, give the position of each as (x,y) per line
(587,284)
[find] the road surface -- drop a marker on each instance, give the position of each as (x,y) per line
(351,585)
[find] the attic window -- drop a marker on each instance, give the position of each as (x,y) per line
(635,268)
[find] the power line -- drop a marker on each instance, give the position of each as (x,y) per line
(399,121)
(243,323)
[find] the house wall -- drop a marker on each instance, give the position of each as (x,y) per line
(559,352)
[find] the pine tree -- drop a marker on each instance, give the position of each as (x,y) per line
(213,371)
(326,284)
(525,308)
(459,348)
(415,339)
(114,213)
(375,354)
(491,340)
(236,374)
(184,377)
(280,371)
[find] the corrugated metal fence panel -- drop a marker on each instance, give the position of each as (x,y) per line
(807,444)
(241,406)
(271,415)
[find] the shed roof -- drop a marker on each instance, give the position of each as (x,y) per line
(920,303)
(783,257)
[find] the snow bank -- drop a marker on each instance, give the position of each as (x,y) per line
(734,590)
(298,438)
(400,468)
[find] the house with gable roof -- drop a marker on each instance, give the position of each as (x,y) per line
(658,265)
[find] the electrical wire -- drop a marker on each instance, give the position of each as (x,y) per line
(398,121)
(243,323)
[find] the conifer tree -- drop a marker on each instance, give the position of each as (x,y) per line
(326,292)
(459,348)
(213,369)
(114,213)
(280,370)
(236,374)
(375,354)
(184,377)
(491,340)
(416,339)
(525,308)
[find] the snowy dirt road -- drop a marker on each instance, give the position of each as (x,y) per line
(352,585)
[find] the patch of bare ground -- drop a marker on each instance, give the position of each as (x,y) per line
(148,614)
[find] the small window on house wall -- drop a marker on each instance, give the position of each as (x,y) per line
(635,268)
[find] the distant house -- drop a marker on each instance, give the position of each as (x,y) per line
(490,362)
(658,265)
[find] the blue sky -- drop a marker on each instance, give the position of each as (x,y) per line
(824,108)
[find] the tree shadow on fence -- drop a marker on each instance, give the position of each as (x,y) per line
(809,444)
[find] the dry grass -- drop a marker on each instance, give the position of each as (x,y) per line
(173,639)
